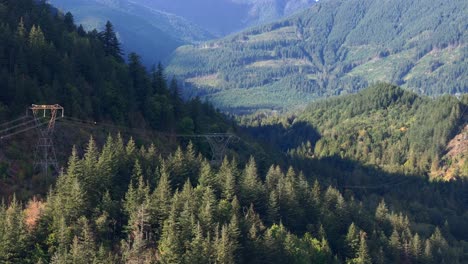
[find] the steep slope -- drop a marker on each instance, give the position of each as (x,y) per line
(149,32)
(388,127)
(336,47)
(46,59)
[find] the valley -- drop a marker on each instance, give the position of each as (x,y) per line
(336,47)
(336,135)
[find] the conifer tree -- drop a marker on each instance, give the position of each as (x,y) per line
(36,37)
(170,248)
(13,235)
(363,256)
(381,212)
(161,200)
(134,248)
(227,179)
(416,247)
(21,30)
(207,209)
(196,253)
(251,188)
(207,178)
(224,247)
(273,209)
(352,240)
(83,248)
(395,245)
(137,197)
(110,41)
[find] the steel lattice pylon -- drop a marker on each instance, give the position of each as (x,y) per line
(218,144)
(45,117)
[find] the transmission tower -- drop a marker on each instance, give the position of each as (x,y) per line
(218,144)
(44,155)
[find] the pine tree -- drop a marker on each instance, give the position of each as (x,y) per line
(352,240)
(428,251)
(83,248)
(224,247)
(363,256)
(137,196)
(251,188)
(227,179)
(13,235)
(381,212)
(395,245)
(207,209)
(272,178)
(273,208)
(68,200)
(416,247)
(134,248)
(316,193)
(170,245)
(36,37)
(110,41)
(161,200)
(176,98)
(21,30)
(196,253)
(89,179)
(207,178)
(107,164)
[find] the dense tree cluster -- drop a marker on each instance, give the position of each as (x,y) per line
(382,125)
(127,204)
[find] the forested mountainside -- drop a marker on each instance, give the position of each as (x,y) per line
(119,204)
(383,125)
(46,58)
(336,47)
(150,32)
(122,201)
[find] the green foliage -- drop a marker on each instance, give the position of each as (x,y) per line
(386,126)
(247,219)
(45,58)
(336,47)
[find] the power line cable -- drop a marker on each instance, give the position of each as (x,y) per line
(13,121)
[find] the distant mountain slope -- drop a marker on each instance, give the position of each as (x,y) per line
(149,32)
(335,47)
(222,17)
(155,28)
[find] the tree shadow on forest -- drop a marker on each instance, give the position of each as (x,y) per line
(282,138)
(437,201)
(406,192)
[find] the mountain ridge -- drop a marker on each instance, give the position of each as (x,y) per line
(156,28)
(334,47)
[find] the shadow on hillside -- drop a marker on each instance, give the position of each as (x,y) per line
(438,201)
(282,138)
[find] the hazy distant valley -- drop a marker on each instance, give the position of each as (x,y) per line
(156,28)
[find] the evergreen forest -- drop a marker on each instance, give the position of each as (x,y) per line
(362,178)
(335,47)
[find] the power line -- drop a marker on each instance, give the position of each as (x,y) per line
(218,141)
(13,121)
(16,126)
